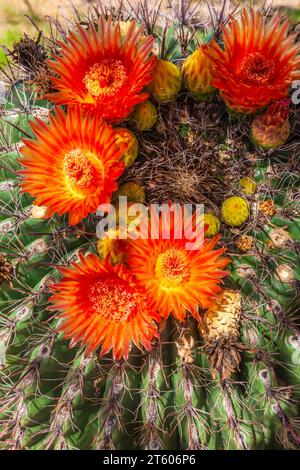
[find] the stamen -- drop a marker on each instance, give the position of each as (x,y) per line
(105,78)
(173,267)
(256,69)
(79,171)
(113,299)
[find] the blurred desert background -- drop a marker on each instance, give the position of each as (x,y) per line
(14,15)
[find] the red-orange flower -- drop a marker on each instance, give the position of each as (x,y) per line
(103,70)
(258,64)
(175,278)
(73,165)
(102,306)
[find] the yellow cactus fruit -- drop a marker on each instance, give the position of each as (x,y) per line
(38,212)
(213,225)
(135,195)
(220,328)
(167,81)
(112,247)
(197,75)
(248,185)
(111,244)
(133,191)
(132,220)
(235,211)
(125,136)
(145,116)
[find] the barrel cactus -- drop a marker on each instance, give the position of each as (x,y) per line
(143,344)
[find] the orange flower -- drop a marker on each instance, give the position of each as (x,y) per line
(177,279)
(101,70)
(103,306)
(258,63)
(73,165)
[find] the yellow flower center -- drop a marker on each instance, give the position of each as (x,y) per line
(105,78)
(113,299)
(80,173)
(256,69)
(172,267)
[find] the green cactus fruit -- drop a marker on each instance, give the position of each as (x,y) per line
(213,224)
(125,136)
(271,129)
(248,185)
(112,245)
(235,211)
(145,116)
(133,191)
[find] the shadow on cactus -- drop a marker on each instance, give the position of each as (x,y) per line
(141,343)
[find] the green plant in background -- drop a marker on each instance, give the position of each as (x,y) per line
(8,38)
(14,21)
(226,377)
